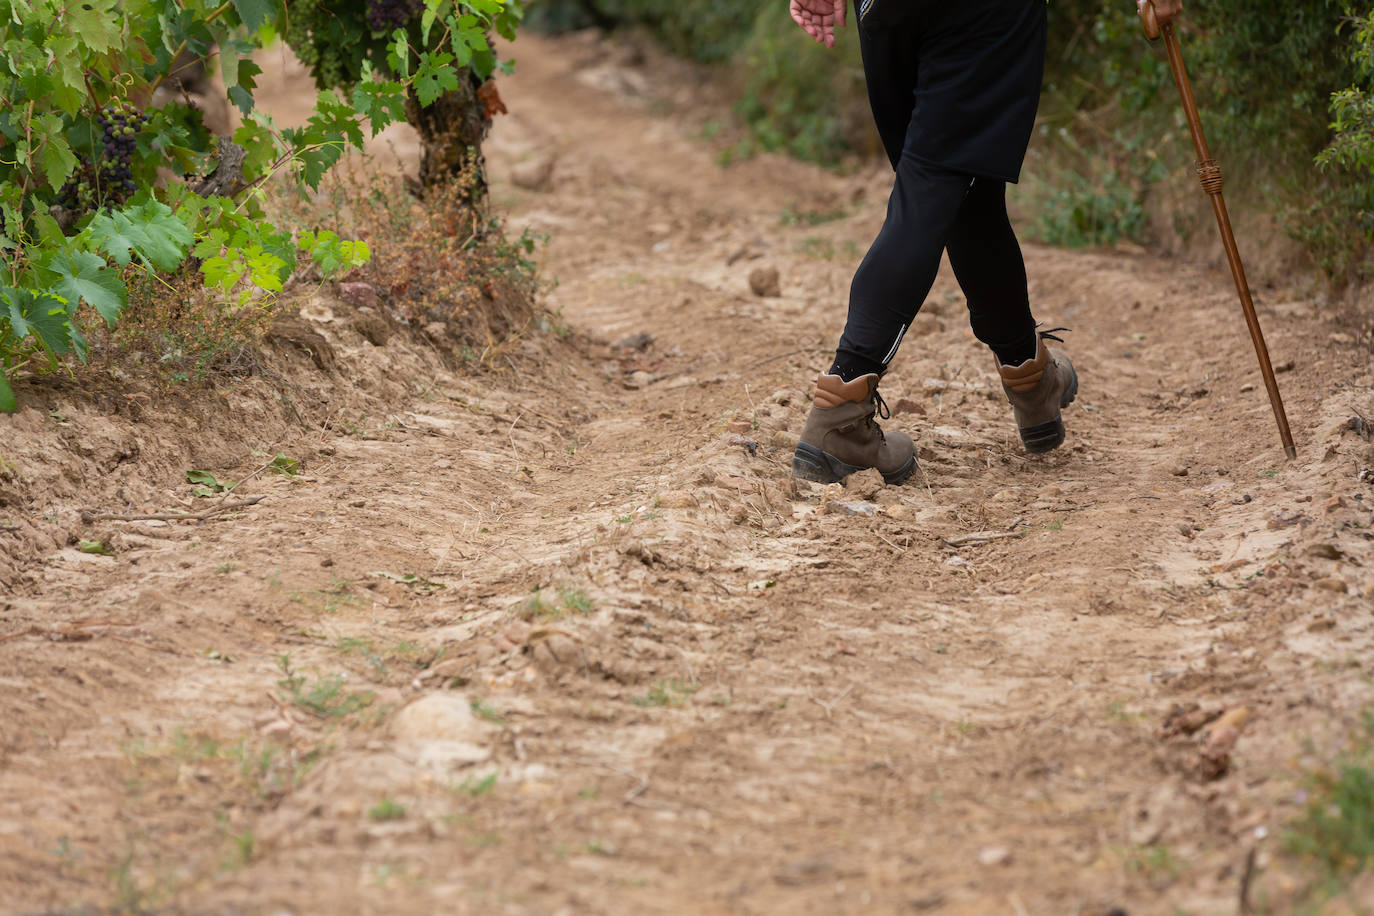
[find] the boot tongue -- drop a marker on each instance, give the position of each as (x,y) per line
(832,391)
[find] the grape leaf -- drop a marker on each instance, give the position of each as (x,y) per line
(55,156)
(148,230)
(85,275)
(97,22)
(434,75)
(8,404)
(40,314)
(255,13)
(382,103)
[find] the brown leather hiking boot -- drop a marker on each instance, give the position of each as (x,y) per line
(841,436)
(1038,389)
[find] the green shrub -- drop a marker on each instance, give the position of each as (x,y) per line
(798,97)
(1336,829)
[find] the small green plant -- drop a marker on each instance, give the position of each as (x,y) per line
(1155,862)
(538,606)
(206,484)
(387,810)
(324,697)
(1336,829)
(576,600)
(483,710)
(98,547)
(284,465)
(666,693)
(478,787)
(794,217)
(816,247)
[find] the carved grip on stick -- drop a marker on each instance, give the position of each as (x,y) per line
(1149,20)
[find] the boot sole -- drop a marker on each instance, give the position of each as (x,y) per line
(1048,436)
(810,463)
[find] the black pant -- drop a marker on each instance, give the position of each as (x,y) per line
(934,208)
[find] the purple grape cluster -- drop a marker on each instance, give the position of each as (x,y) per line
(389,15)
(120,123)
(109,179)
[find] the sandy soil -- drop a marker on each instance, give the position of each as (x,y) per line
(569,639)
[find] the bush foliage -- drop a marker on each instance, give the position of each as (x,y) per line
(101,177)
(1286,91)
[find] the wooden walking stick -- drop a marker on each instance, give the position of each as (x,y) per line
(1210,174)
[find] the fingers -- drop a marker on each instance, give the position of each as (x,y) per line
(841,9)
(807,19)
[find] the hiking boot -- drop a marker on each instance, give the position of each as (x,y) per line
(841,436)
(1038,389)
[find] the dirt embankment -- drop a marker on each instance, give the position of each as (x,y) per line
(570,639)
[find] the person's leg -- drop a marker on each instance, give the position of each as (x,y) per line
(889,57)
(900,267)
(987,263)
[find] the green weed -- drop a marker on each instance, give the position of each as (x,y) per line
(323,697)
(477,787)
(538,606)
(485,711)
(387,810)
(666,693)
(1336,829)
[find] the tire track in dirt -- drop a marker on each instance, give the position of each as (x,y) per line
(891,724)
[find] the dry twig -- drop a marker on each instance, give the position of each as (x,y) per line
(76,630)
(978,538)
(90,515)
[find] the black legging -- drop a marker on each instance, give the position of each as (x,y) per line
(932,209)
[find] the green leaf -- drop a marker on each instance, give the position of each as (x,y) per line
(97,22)
(255,13)
(434,76)
(84,275)
(221,272)
(148,230)
(55,156)
(382,103)
(42,315)
(8,402)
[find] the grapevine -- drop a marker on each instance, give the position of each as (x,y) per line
(85,195)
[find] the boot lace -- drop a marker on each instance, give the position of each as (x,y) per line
(882,411)
(1049,333)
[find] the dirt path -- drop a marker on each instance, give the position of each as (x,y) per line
(659,676)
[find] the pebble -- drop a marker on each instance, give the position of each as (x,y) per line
(740,427)
(1332,584)
(865,484)
(765,282)
(908,406)
(442,716)
(994,855)
(677,499)
(533,174)
(1179,470)
(842,507)
(361,294)
(784,439)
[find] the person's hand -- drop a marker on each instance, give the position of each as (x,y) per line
(820,17)
(1166,11)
